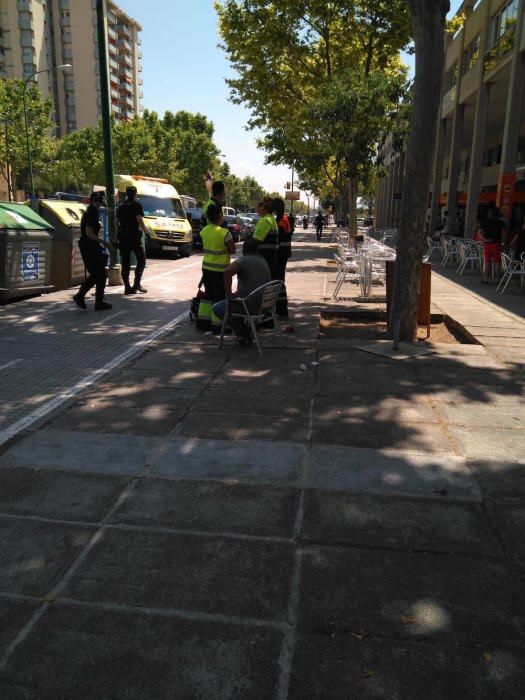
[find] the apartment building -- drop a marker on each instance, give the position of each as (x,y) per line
(480,150)
(40,35)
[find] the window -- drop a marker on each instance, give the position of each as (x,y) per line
(505,20)
(498,153)
(452,77)
(472,54)
(521,150)
(487,158)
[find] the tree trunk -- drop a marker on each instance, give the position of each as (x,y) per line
(352,207)
(428,24)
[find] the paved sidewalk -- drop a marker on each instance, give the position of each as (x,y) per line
(317,523)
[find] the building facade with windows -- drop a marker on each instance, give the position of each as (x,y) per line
(39,35)
(480,147)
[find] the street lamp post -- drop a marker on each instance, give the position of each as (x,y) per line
(64,66)
(7,159)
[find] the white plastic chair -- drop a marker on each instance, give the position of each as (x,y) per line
(432,246)
(269,293)
(511,268)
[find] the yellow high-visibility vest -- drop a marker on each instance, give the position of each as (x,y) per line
(216,254)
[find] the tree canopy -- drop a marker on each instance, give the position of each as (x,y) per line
(319,78)
(13,135)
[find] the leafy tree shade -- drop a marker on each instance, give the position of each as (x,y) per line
(318,78)
(428,22)
(40,124)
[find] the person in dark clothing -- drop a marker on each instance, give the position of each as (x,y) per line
(283,254)
(319,223)
(218,197)
(92,249)
(491,233)
(517,244)
(130,215)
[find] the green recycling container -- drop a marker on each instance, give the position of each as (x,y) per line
(25,252)
(67,267)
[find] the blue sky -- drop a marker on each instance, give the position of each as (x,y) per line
(183,68)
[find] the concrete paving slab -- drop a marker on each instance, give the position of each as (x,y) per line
(373,383)
(428,597)
(59,495)
(123,416)
(389,472)
(242,402)
(500,478)
(360,409)
(381,434)
(184,379)
(14,614)
(245,578)
(508,518)
(495,341)
(143,386)
(498,443)
(340,667)
(232,426)
(299,384)
(229,459)
(35,554)
(212,507)
(81,452)
(468,414)
(171,359)
(130,655)
(397,522)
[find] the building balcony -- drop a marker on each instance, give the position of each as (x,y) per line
(449,100)
(113,63)
(124,31)
(124,44)
(24,6)
(501,48)
(125,72)
(114,93)
(125,59)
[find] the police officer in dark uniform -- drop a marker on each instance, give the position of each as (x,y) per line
(92,249)
(130,215)
(283,254)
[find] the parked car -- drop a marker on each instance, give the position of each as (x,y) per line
(234,226)
(194,215)
(253,215)
(247,227)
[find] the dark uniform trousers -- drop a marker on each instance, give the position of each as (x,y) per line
(282,261)
(128,245)
(95,263)
(214,291)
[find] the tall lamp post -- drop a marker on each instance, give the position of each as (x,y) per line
(7,158)
(64,66)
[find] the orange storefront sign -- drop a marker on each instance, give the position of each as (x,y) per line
(506,192)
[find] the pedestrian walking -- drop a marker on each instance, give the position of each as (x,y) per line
(130,215)
(267,235)
(319,223)
(491,233)
(283,254)
(217,245)
(92,249)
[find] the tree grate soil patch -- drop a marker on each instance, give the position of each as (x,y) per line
(372,326)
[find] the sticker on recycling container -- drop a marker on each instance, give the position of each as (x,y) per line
(30,262)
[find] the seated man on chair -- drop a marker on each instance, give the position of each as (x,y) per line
(252,271)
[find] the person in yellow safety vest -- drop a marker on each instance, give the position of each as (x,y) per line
(217,244)
(218,195)
(266,234)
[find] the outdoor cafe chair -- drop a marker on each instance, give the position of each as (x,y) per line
(511,268)
(269,293)
(449,248)
(345,266)
(468,254)
(432,246)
